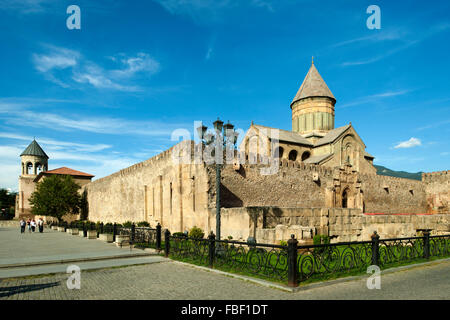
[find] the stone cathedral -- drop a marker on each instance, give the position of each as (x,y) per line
(325,183)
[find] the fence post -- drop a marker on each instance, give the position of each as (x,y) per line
(133,231)
(166,243)
(426,244)
(375,249)
(114,232)
(212,248)
(292,262)
(158,236)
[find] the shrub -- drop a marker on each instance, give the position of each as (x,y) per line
(179,234)
(321,239)
(127,224)
(196,232)
(283,243)
(143,224)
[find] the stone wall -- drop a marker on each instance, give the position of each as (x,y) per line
(292,186)
(158,190)
(275,224)
(383,194)
(437,188)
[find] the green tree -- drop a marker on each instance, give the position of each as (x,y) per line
(56,196)
(7,203)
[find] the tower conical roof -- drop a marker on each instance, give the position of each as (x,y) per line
(34,149)
(313,86)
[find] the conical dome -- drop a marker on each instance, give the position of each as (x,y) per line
(313,86)
(34,149)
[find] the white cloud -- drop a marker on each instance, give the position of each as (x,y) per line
(83,71)
(374,97)
(413,142)
(58,58)
(22,116)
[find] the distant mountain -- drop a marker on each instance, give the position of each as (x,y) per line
(400,174)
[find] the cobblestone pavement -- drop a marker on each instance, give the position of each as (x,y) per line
(52,245)
(173,281)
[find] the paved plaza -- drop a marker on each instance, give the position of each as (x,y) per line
(173,281)
(154,277)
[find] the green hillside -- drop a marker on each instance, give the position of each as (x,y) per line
(400,174)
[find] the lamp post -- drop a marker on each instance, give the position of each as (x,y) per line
(224,136)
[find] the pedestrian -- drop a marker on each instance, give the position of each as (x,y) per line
(29,225)
(22,225)
(41,225)
(33,225)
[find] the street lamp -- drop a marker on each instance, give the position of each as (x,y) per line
(224,136)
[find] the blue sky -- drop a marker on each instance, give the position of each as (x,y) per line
(109,95)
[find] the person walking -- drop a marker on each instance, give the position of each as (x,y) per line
(33,225)
(41,225)
(22,225)
(29,225)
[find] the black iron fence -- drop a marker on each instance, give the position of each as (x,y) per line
(289,263)
(295,264)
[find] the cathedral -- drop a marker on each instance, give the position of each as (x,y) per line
(324,183)
(313,139)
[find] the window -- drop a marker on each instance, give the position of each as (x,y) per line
(293,155)
(306,155)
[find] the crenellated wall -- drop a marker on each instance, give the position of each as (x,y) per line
(437,188)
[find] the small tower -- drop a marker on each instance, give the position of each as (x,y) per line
(33,161)
(313,105)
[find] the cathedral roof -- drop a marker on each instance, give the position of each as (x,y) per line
(34,149)
(285,135)
(332,135)
(313,86)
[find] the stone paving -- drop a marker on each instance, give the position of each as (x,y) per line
(172,281)
(52,245)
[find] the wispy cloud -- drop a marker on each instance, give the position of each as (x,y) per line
(213,11)
(375,97)
(434,125)
(57,144)
(406,39)
(21,115)
(24,6)
(412,142)
(55,60)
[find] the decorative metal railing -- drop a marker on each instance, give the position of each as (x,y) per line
(333,258)
(258,259)
(299,263)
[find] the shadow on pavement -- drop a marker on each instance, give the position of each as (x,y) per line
(9,291)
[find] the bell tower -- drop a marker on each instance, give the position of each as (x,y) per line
(33,161)
(313,105)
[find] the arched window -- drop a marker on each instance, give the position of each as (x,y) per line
(29,168)
(306,155)
(345,198)
(293,155)
(39,168)
(280,152)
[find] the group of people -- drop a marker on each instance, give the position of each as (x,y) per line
(31,223)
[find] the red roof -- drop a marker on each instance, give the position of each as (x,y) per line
(68,171)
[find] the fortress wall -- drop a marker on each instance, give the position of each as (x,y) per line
(155,190)
(274,224)
(437,188)
(291,186)
(383,194)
